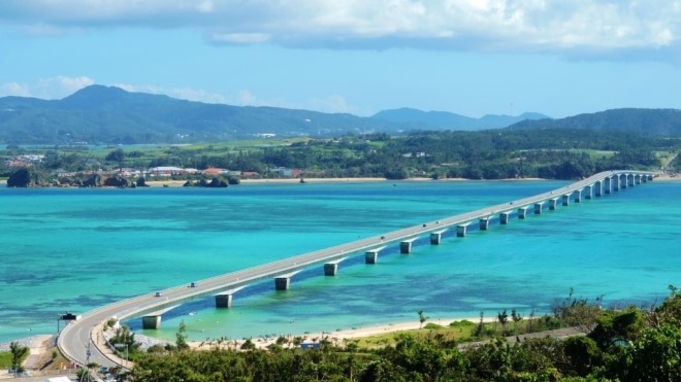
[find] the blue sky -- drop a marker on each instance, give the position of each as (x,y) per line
(471,57)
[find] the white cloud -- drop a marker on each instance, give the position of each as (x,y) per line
(332,104)
(185,93)
(46,88)
(490,25)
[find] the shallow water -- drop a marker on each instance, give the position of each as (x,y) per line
(77,250)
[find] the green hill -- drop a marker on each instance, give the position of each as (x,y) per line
(112,115)
(100,114)
(649,122)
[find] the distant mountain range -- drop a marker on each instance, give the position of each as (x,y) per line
(413,119)
(101,114)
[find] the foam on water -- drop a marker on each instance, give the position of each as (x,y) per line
(80,249)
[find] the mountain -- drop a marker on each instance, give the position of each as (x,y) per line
(112,115)
(649,122)
(101,114)
(410,119)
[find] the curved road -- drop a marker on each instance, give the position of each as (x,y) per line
(75,337)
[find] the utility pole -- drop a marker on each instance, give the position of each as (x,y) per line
(88,353)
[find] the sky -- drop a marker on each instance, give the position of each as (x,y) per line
(470,57)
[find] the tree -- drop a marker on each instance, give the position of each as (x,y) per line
(578,312)
(656,356)
(422,318)
(181,337)
(503,319)
(19,353)
(516,319)
(117,155)
(480,329)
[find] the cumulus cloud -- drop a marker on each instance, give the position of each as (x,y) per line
(490,25)
(46,88)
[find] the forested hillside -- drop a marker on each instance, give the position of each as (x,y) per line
(650,122)
(493,154)
(109,115)
(99,114)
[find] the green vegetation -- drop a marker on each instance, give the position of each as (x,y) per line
(648,122)
(629,345)
(110,115)
(15,357)
(5,359)
(551,154)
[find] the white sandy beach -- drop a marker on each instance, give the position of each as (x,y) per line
(180,183)
(339,336)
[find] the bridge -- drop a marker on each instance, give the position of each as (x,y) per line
(75,339)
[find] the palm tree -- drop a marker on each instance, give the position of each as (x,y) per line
(422,318)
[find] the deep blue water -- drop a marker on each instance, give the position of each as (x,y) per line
(79,249)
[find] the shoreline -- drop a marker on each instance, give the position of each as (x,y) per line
(336,337)
(36,341)
(245,182)
(180,183)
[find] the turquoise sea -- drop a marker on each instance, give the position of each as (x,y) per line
(78,249)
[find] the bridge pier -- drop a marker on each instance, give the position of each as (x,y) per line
(330,269)
(589,192)
(522,212)
(578,195)
(599,188)
(405,246)
(552,204)
(566,199)
(484,223)
(608,190)
(461,230)
(371,257)
(282,283)
(435,238)
(644,178)
(616,183)
(504,217)
(538,208)
(151,322)
(625,184)
(223,300)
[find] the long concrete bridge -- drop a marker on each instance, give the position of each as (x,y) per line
(75,338)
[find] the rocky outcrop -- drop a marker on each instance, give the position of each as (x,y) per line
(214,183)
(94,180)
(23,178)
(118,181)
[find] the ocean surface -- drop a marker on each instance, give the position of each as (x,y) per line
(78,249)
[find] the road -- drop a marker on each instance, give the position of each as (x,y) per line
(75,337)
